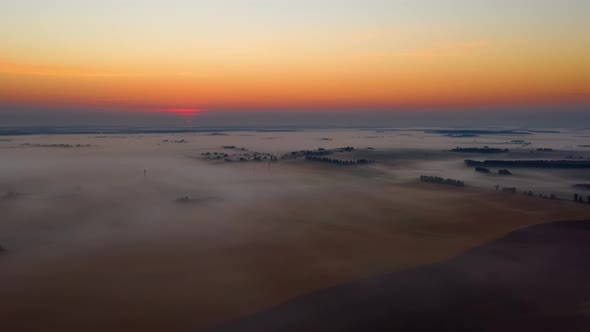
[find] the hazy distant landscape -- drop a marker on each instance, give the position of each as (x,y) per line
(177,231)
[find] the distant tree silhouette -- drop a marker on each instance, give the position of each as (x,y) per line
(437,179)
(482,170)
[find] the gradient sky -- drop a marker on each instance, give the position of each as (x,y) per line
(181,55)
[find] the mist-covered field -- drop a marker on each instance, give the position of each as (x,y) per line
(173,232)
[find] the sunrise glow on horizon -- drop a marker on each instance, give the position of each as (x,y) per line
(184,57)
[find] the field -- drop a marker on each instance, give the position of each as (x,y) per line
(149,232)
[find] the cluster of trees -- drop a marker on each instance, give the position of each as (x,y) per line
(339,161)
(214,155)
(580,199)
(513,190)
(175,141)
(258,156)
(318,152)
(306,153)
(345,149)
(315,153)
(437,179)
(541,195)
(482,170)
(487,171)
(485,149)
(530,163)
(233,147)
(577,198)
(183,199)
(476,132)
(57,145)
(254,156)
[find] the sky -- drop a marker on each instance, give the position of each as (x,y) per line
(186,57)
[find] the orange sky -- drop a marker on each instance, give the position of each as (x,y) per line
(262,54)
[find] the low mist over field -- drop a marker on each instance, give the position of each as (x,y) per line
(189,230)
